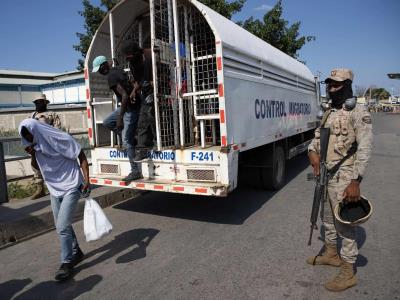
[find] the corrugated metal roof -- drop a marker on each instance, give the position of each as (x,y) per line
(30,108)
(17,81)
(36,78)
(77,73)
(26,73)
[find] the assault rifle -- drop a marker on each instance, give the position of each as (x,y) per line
(321,180)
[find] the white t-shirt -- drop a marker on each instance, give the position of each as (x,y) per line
(61,171)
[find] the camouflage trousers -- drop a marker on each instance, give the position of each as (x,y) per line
(37,175)
(333,229)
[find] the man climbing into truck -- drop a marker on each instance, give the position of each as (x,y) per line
(140,64)
(122,121)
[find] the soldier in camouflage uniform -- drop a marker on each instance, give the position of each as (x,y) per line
(51,118)
(350,125)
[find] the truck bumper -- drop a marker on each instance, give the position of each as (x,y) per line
(205,189)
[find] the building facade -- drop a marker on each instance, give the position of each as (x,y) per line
(19,88)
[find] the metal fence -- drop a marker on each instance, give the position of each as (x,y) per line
(3,161)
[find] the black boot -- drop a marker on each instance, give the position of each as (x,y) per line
(141,155)
(133,176)
(64,272)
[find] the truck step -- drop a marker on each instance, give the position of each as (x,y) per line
(196,188)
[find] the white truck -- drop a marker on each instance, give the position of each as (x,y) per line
(226,102)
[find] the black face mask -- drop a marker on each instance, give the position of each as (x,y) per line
(41,107)
(104,69)
(340,96)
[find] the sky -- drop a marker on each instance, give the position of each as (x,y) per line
(363,35)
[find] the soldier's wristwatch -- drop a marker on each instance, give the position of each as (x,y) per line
(359,178)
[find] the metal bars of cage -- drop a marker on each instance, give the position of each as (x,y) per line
(155,72)
(188,111)
(164,64)
(178,78)
(204,79)
(204,53)
(114,100)
(189,81)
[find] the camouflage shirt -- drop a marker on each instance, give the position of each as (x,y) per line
(47,117)
(347,127)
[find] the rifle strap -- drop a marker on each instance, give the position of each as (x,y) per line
(325,117)
(350,152)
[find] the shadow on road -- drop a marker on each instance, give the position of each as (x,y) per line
(361,237)
(234,209)
(136,240)
(55,290)
(9,288)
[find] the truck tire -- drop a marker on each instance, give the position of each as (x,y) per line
(273,176)
(250,177)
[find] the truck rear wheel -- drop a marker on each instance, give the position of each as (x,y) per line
(273,175)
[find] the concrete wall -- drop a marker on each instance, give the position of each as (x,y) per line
(20,168)
(72,118)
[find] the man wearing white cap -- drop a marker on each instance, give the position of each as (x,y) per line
(122,121)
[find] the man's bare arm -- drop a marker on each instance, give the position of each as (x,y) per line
(84,166)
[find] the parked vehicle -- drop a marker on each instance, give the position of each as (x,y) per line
(226,102)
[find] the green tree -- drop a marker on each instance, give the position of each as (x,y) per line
(276,31)
(227,9)
(93,16)
(378,93)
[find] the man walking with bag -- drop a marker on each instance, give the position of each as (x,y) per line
(57,154)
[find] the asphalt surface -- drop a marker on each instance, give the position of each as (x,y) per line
(251,245)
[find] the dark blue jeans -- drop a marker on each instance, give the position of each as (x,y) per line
(128,133)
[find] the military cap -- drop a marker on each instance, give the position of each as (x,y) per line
(340,75)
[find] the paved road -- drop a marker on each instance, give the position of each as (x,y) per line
(251,245)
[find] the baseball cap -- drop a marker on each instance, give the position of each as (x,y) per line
(97,62)
(340,75)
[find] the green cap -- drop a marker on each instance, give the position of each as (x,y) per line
(97,62)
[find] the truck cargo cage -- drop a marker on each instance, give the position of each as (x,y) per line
(184,72)
(186,89)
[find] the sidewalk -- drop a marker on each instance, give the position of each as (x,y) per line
(20,220)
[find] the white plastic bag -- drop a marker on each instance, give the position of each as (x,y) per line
(95,222)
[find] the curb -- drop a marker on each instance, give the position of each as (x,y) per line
(30,226)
